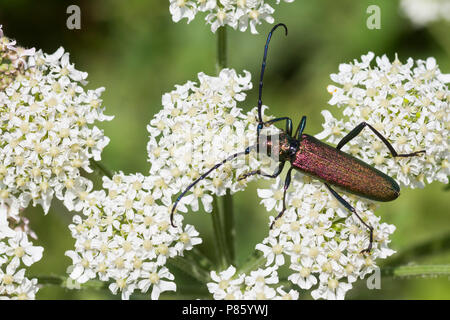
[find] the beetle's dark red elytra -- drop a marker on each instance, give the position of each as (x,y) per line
(328,164)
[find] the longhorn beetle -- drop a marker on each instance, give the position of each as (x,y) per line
(319,160)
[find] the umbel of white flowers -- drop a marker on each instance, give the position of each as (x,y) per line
(124,235)
(47,136)
(48,132)
(238,14)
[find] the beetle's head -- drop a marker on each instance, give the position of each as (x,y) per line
(277,146)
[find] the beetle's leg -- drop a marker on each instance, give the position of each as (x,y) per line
(274,175)
(288,123)
(361,126)
(352,210)
(301,126)
(203,176)
(287,182)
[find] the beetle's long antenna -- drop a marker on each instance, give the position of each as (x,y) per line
(203,176)
(263,67)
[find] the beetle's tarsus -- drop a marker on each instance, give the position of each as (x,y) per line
(242,177)
(171,220)
(412,154)
(276,218)
(369,248)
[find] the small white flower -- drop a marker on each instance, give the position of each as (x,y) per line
(22,249)
(283,295)
(182,9)
(154,280)
(273,252)
(331,290)
(225,285)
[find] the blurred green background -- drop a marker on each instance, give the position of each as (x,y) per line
(135,50)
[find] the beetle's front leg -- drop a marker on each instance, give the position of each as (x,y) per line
(352,134)
(287,182)
(352,210)
(274,175)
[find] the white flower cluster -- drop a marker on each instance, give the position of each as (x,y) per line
(47,130)
(424,12)
(408,103)
(199,126)
(238,14)
(16,252)
(261,284)
(321,240)
(124,235)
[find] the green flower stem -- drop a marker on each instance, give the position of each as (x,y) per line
(417,271)
(223,257)
(200,258)
(228,224)
(222,215)
(190,268)
(221,49)
(102,168)
(256,260)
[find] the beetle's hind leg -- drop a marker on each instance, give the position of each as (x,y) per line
(352,210)
(352,134)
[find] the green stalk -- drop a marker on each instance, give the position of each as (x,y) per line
(418,271)
(222,215)
(256,261)
(223,257)
(190,269)
(228,224)
(102,168)
(221,49)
